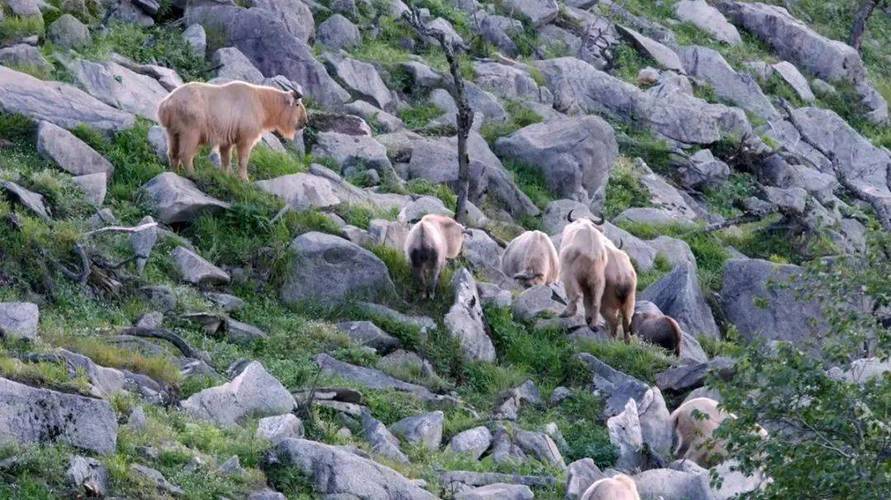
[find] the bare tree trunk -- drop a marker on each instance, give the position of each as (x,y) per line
(861,17)
(464,119)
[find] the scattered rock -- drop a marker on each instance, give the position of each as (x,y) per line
(498,491)
(31,200)
(335,472)
(422,429)
(196,37)
(368,334)
(88,476)
(540,446)
(703,170)
(157,479)
(93,187)
(19,320)
(326,267)
(358,151)
(536,301)
(669,483)
(790,74)
(280,427)
(231,64)
(690,376)
(679,295)
(253,392)
(33,416)
(197,271)
(741,89)
(361,79)
(69,33)
(464,321)
(118,86)
(177,199)
(339,32)
(664,56)
(424,205)
(708,19)
(301,191)
(537,12)
(382,121)
(27,56)
(580,475)
(371,378)
(473,442)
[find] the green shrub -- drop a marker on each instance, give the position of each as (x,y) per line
(13,28)
(419,115)
(624,190)
(531,181)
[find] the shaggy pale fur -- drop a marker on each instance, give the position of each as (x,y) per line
(583,261)
(618,487)
(531,259)
(236,114)
(430,242)
(620,291)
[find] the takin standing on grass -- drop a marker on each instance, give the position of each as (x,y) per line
(430,242)
(620,290)
(583,260)
(531,259)
(235,114)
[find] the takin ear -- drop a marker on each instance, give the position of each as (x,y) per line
(296,94)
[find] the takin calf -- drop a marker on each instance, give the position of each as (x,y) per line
(618,487)
(583,261)
(531,259)
(653,327)
(430,242)
(222,116)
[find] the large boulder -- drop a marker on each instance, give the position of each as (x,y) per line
(279,427)
(474,442)
(196,270)
(359,151)
(382,441)
(231,64)
(579,88)
(68,32)
(500,31)
(266,41)
(771,302)
(790,74)
(252,393)
(664,56)
(669,483)
(361,79)
(19,320)
(29,415)
(679,295)
(93,187)
(23,55)
(296,16)
(575,155)
(31,200)
(301,191)
(339,32)
(87,475)
(369,377)
(368,334)
(58,103)
(497,491)
(537,12)
(423,429)
(509,82)
(68,152)
(794,41)
(741,89)
(464,321)
(708,19)
(177,199)
(119,87)
(580,475)
(329,268)
(337,473)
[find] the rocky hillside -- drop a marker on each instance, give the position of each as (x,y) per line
(210,338)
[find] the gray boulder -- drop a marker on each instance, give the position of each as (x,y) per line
(382,441)
(326,267)
(452,480)
(554,218)
(370,378)
(668,483)
(483,255)
(35,416)
(538,300)
(692,375)
(58,103)
(539,446)
(500,31)
(791,200)
(142,242)
(580,475)
(465,322)
(68,152)
(664,56)
(196,37)
(509,82)
(422,206)
(771,302)
(92,186)
(794,41)
(19,320)
(87,475)
(156,479)
(69,33)
(473,442)
(119,86)
(381,120)
(498,491)
(23,55)
(422,429)
(703,170)
(301,191)
(741,89)
(352,151)
(575,155)
(231,64)
(368,334)
(361,79)
(679,295)
(252,393)
(625,434)
(196,270)
(579,88)
(537,12)
(708,19)
(177,199)
(265,39)
(296,16)
(337,473)
(31,200)
(790,74)
(339,32)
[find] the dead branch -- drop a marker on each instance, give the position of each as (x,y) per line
(163,334)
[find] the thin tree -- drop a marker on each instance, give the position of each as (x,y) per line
(464,119)
(861,17)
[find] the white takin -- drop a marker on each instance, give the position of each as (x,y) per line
(531,259)
(430,242)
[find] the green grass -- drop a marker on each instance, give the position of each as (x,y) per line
(519,116)
(14,28)
(419,115)
(425,187)
(661,267)
(637,359)
(531,181)
(627,63)
(624,190)
(725,199)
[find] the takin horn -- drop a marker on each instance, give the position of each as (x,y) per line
(569,216)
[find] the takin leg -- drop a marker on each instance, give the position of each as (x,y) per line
(612,320)
(627,314)
(188,148)
(226,157)
(573,294)
(434,283)
(593,294)
(173,158)
(244,154)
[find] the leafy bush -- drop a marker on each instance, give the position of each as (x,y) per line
(624,190)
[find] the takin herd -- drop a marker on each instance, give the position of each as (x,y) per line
(592,269)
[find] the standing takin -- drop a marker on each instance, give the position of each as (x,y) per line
(430,242)
(531,259)
(618,487)
(694,422)
(619,293)
(234,114)
(583,261)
